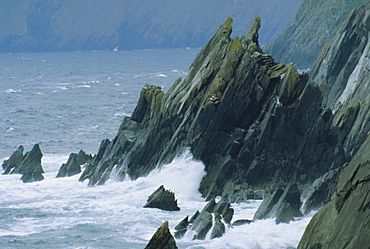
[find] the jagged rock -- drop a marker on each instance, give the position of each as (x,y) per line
(320,192)
(218,228)
(344,221)
(73,165)
(202,222)
(162,239)
(315,23)
(181,228)
(14,161)
(283,205)
(162,199)
(31,168)
(251,128)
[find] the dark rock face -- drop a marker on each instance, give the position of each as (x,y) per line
(29,165)
(73,165)
(315,23)
(14,161)
(162,199)
(320,192)
(344,221)
(283,205)
(228,111)
(214,215)
(162,239)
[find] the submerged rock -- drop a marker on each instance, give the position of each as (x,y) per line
(162,199)
(14,161)
(162,239)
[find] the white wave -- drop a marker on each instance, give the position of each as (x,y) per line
(87,86)
(161,75)
(10,129)
(12,91)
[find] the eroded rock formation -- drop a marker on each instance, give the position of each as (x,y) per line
(73,165)
(163,199)
(162,239)
(28,165)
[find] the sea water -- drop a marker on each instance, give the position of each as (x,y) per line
(72,100)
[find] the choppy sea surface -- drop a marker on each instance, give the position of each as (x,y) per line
(72,100)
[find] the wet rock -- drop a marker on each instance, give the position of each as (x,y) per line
(320,192)
(162,199)
(31,168)
(181,228)
(14,161)
(241,222)
(214,214)
(218,228)
(162,239)
(344,221)
(73,165)
(283,205)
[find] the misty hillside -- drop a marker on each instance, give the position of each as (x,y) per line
(41,25)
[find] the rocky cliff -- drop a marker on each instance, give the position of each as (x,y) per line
(254,123)
(315,23)
(41,25)
(344,221)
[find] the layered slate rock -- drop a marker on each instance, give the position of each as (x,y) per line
(344,221)
(30,168)
(254,123)
(73,165)
(14,161)
(162,199)
(320,192)
(162,239)
(212,219)
(283,205)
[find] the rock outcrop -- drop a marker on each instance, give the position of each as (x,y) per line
(14,161)
(254,123)
(345,221)
(162,239)
(163,199)
(282,204)
(213,219)
(73,165)
(314,24)
(29,165)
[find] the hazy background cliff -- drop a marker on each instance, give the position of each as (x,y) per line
(60,25)
(314,24)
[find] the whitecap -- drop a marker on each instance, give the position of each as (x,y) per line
(12,91)
(161,75)
(86,86)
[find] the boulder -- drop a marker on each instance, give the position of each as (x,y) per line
(218,228)
(162,199)
(31,168)
(162,239)
(14,161)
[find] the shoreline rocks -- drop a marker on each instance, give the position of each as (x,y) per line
(162,239)
(162,199)
(29,165)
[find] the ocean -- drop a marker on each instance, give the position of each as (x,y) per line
(69,101)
